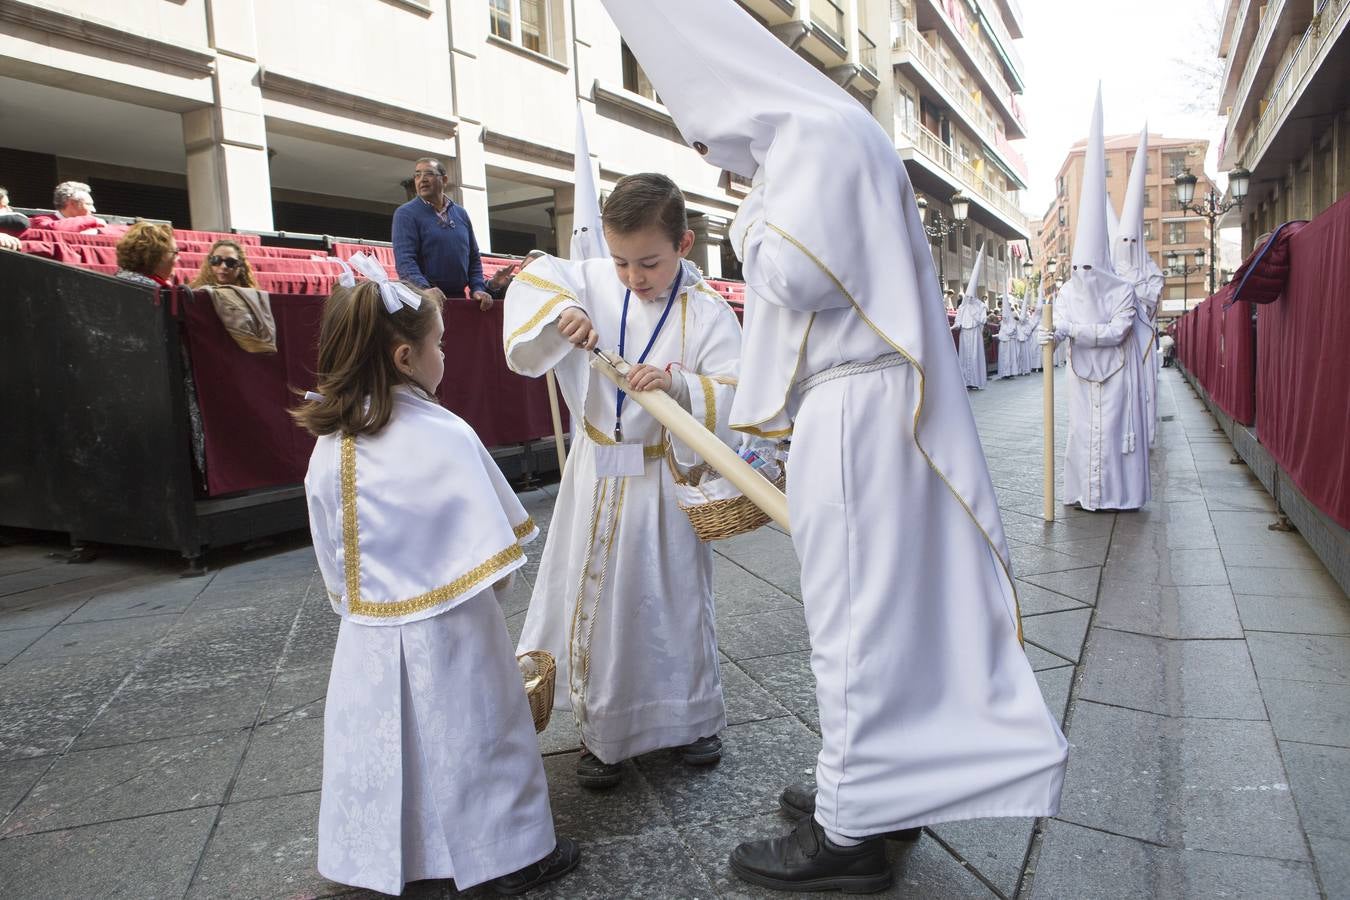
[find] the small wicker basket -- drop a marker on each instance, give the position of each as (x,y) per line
(539,686)
(722,512)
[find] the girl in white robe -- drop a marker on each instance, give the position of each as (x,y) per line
(623,598)
(431,768)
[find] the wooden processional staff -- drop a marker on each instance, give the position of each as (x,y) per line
(1048,407)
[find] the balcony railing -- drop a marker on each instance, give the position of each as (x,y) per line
(995,20)
(867,53)
(966,175)
(829,17)
(1285,88)
(985,62)
(909,39)
(1263,33)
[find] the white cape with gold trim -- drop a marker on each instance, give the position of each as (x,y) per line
(431,768)
(624,598)
(929,708)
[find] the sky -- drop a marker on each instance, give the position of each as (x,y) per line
(1138,51)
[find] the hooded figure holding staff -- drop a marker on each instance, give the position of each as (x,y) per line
(1106,459)
(929,711)
(970,318)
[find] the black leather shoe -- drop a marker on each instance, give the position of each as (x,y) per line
(702,752)
(596,775)
(799,801)
(562,860)
(805,860)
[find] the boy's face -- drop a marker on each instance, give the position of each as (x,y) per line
(646,261)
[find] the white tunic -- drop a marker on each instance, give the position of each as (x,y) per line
(1007,345)
(1106,462)
(422,778)
(970,318)
(624,597)
(1033,349)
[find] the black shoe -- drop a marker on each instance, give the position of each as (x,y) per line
(799,801)
(597,775)
(562,860)
(805,860)
(702,752)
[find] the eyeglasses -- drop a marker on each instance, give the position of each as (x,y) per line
(229,262)
(426,173)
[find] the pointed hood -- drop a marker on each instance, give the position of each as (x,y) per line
(1090,241)
(1129,253)
(1112,228)
(1094,294)
(973,286)
(588,237)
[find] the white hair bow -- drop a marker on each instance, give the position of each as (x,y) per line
(394,293)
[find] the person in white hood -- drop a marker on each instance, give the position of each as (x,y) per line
(929,711)
(970,318)
(1007,340)
(1106,459)
(1133,263)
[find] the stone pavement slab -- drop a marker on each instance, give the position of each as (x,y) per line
(163,736)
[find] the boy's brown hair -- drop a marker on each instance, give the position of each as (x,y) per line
(356,336)
(646,200)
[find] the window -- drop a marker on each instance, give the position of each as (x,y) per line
(634,79)
(1176,232)
(1175,163)
(1000,252)
(529,24)
(1059,185)
(1148,198)
(1148,231)
(1172,204)
(1064,215)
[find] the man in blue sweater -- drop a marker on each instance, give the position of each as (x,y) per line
(434,244)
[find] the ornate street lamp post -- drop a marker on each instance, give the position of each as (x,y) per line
(1212,206)
(1176,265)
(937,226)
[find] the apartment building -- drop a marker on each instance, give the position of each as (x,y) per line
(307,115)
(1287,65)
(1168,228)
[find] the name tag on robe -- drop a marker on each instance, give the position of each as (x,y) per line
(619,460)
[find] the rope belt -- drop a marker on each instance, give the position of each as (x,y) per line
(889,361)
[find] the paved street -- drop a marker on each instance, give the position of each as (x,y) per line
(161,737)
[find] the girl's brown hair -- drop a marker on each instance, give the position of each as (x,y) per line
(206,277)
(356,365)
(144,247)
(645,200)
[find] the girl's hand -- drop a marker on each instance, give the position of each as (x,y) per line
(576,326)
(649,378)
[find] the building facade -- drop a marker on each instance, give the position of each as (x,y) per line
(1168,228)
(1284,91)
(307,115)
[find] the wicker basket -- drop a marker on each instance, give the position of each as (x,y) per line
(716,517)
(539,687)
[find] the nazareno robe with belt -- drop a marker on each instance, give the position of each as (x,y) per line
(624,597)
(970,319)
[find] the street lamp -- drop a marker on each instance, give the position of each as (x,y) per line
(1176,264)
(939,227)
(1212,206)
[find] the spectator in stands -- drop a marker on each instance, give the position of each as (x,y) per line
(74,205)
(10,220)
(146,254)
(226,264)
(434,244)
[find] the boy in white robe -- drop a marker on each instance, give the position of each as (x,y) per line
(1106,462)
(431,769)
(929,710)
(624,598)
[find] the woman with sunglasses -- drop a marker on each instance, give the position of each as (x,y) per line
(226,264)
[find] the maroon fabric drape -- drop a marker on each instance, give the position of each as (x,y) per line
(252,443)
(1233,378)
(1303,369)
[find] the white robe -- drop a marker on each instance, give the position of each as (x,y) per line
(1007,346)
(1033,348)
(1106,462)
(421,777)
(624,597)
(1022,356)
(970,318)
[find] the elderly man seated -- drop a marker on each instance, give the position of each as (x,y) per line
(74,205)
